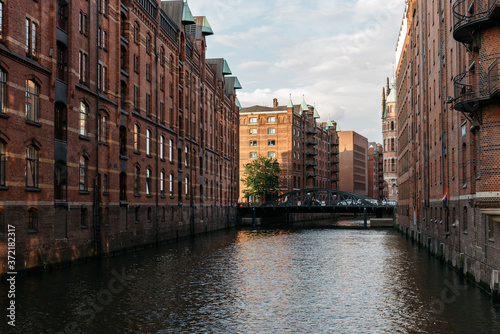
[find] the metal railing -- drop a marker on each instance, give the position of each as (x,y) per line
(468,11)
(478,84)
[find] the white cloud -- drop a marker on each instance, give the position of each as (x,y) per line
(336,52)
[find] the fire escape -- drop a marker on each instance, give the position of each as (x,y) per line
(479,85)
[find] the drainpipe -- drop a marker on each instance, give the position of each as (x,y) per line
(424,118)
(157,141)
(97,195)
(444,139)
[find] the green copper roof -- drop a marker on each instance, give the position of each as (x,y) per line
(290,103)
(303,106)
(391,98)
(187,16)
(237,84)
(226,70)
(238,104)
(316,114)
(206,29)
(329,123)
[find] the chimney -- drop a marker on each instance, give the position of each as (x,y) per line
(275,103)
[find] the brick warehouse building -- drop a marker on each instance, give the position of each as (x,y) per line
(353,163)
(115,131)
(448,133)
(307,151)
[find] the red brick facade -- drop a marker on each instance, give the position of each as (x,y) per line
(115,129)
(307,151)
(448,133)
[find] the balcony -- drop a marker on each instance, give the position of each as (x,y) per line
(469,15)
(311,142)
(476,87)
(311,174)
(311,152)
(335,143)
(311,163)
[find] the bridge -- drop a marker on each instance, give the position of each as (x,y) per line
(317,200)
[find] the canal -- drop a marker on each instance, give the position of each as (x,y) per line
(267,281)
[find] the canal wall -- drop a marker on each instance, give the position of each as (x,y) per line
(123,228)
(469,261)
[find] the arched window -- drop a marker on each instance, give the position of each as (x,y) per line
(162,142)
(137,135)
(83,174)
(170,150)
(171,185)
(137,173)
(148,142)
(3,84)
(148,181)
(32,101)
(162,183)
(31,166)
(83,119)
(103,128)
(162,56)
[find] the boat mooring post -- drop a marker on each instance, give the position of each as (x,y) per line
(365,216)
(253,217)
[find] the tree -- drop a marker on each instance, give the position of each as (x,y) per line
(261,178)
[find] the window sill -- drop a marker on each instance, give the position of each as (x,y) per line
(84,192)
(31,231)
(137,195)
(149,196)
(163,196)
(84,227)
(38,125)
(4,115)
(137,152)
(123,157)
(172,196)
(105,193)
(33,189)
(4,188)
(149,155)
(82,137)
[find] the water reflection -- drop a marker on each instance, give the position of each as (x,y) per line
(276,281)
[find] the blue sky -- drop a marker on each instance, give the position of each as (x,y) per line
(337,53)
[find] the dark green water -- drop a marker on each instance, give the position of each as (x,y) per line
(273,281)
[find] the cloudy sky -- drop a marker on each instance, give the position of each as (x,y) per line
(337,53)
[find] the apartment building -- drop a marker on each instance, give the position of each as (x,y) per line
(306,150)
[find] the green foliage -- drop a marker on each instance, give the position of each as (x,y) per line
(262,179)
